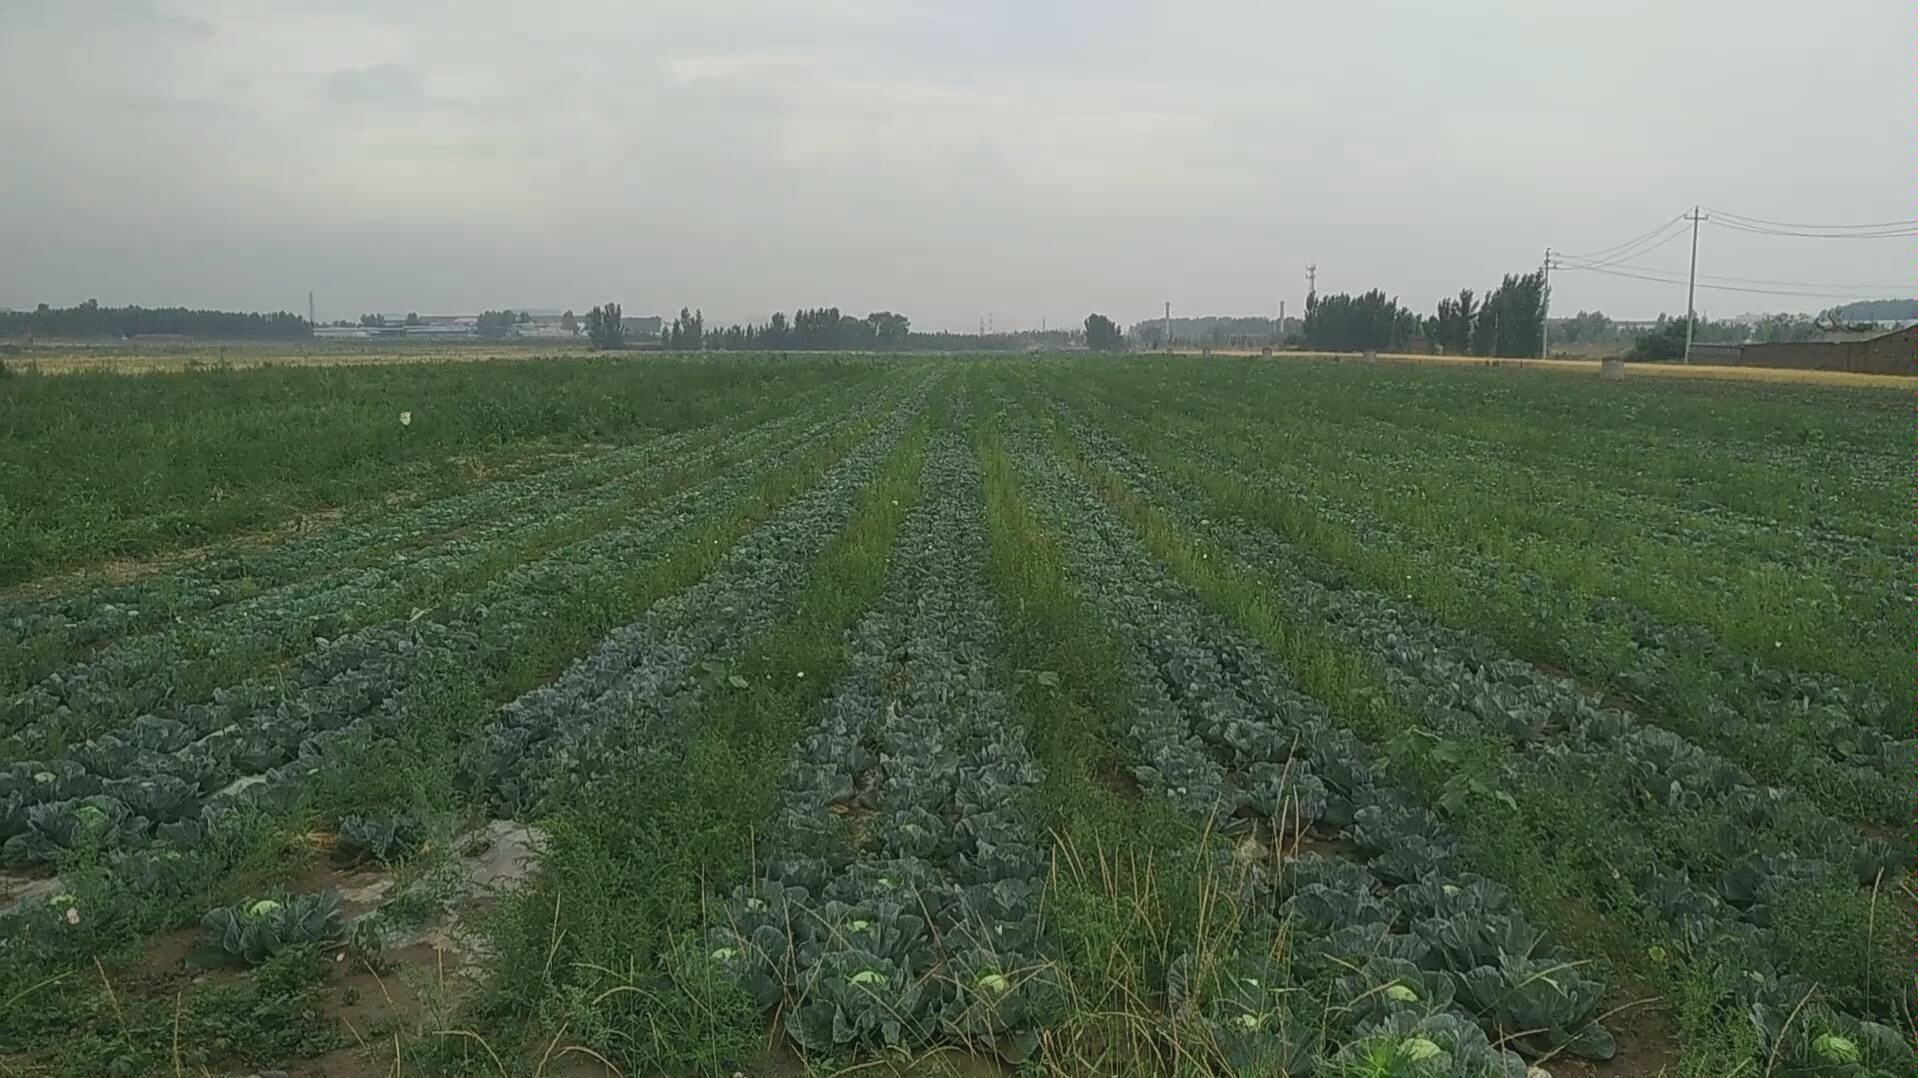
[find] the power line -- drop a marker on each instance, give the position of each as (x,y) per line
(1645,243)
(1813,228)
(1614,261)
(1575,262)
(1622,259)
(1677,278)
(1808,284)
(1884,234)
(1604,253)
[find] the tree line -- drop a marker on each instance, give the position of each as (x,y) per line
(1509,321)
(816,329)
(1218,331)
(829,329)
(89,319)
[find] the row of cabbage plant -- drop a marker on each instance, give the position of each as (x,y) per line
(176,771)
(1394,462)
(560,738)
(1840,740)
(138,674)
(94,616)
(1395,950)
(1466,683)
(91,617)
(901,905)
(1741,519)
(1766,840)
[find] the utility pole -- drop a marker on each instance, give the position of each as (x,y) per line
(1691,286)
(1545,309)
(309,310)
(1167,343)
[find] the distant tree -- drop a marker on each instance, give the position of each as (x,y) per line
(525,318)
(497,323)
(1724,331)
(888,330)
(817,329)
(90,320)
(569,323)
(1511,322)
(688,331)
(1151,335)
(606,326)
(1878,310)
(1103,334)
(1784,329)
(1585,327)
(1369,322)
(412,318)
(1485,330)
(1840,320)
(1664,342)
(1451,328)
(374,321)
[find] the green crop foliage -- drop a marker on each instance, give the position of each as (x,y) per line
(1070,715)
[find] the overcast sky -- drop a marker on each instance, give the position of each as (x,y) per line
(1035,159)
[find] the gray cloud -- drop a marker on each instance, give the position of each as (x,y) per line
(101,16)
(388,85)
(1035,161)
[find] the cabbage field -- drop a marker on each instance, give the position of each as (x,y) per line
(1052,716)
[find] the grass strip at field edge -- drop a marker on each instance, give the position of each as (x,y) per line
(1131,885)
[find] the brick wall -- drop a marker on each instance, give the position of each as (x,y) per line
(1893,353)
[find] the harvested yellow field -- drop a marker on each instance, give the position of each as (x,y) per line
(1792,375)
(59,360)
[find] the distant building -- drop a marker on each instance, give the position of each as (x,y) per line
(441,330)
(1895,352)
